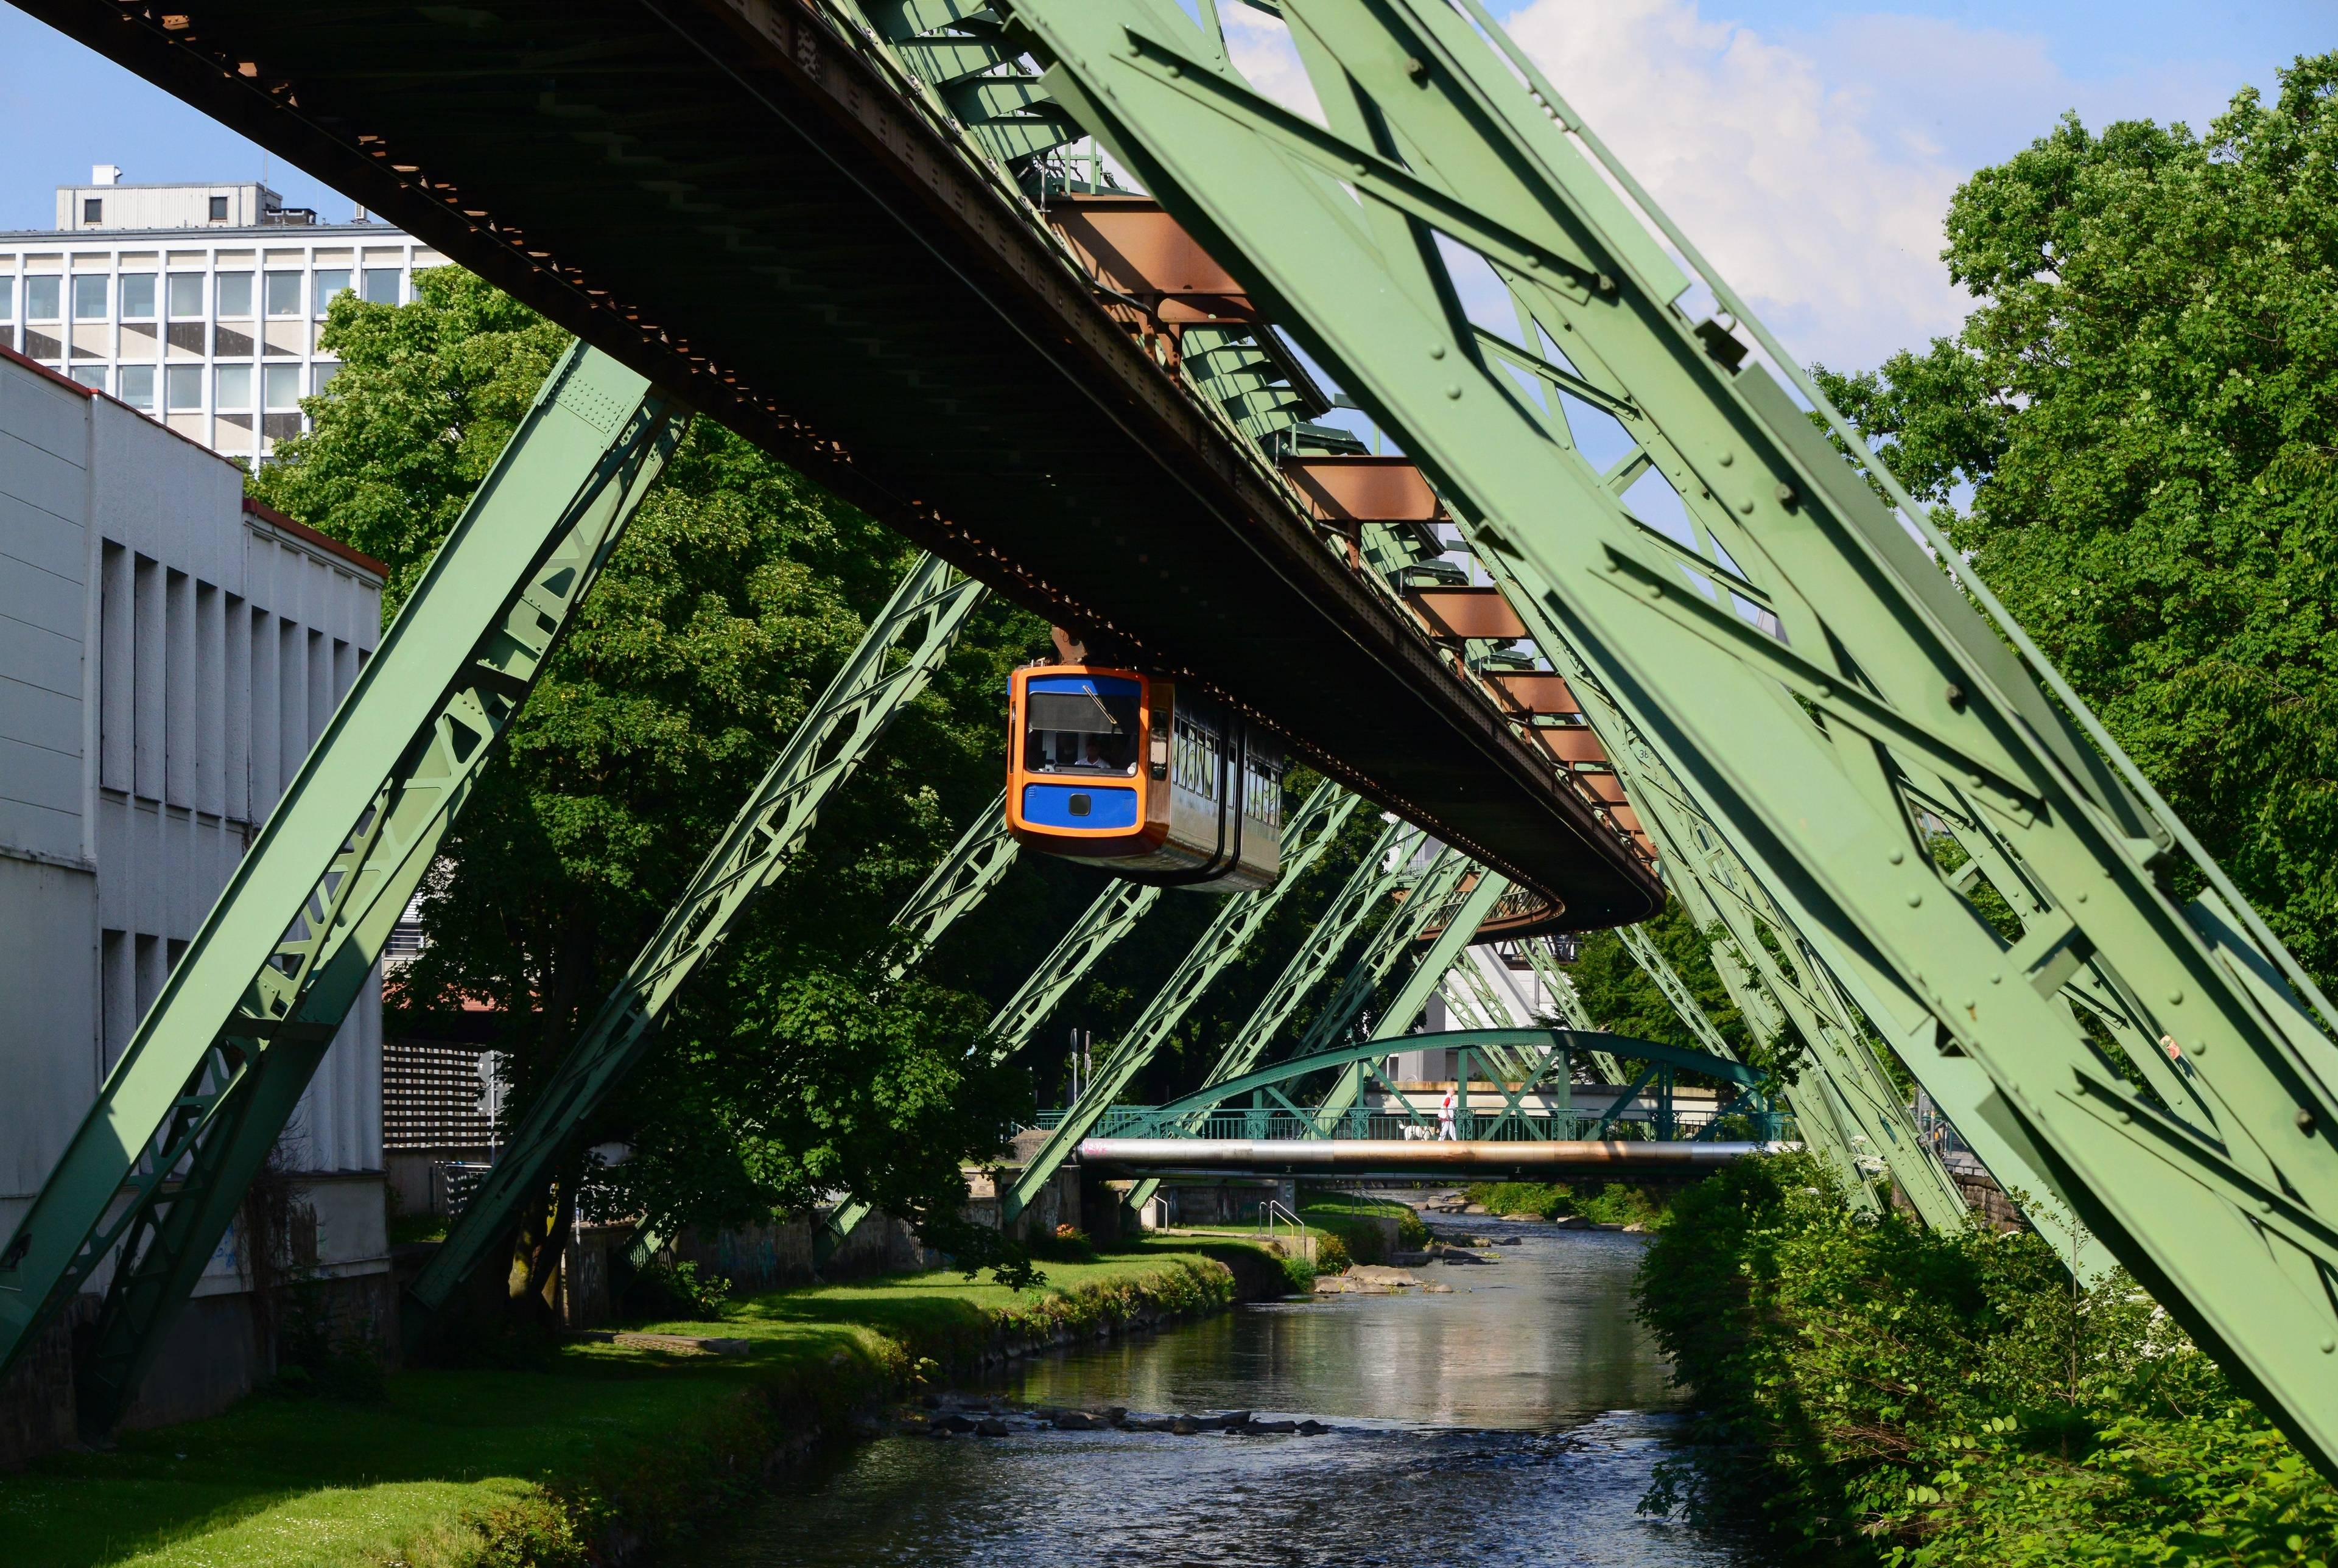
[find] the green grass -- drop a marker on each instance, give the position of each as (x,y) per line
(1613,1203)
(609,1431)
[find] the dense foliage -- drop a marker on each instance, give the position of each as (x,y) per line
(2137,421)
(1602,1202)
(789,1070)
(1874,1392)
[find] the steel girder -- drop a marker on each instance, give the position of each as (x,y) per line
(1306,834)
(1857,667)
(895,659)
(1463,913)
(189,1113)
(983,854)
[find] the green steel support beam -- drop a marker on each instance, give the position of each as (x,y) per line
(896,658)
(187,1117)
(981,857)
(1309,832)
(1659,968)
(983,854)
(1844,663)
(1113,915)
(1569,1003)
(1462,916)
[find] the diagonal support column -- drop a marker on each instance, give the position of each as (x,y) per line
(189,1113)
(983,854)
(1309,832)
(896,658)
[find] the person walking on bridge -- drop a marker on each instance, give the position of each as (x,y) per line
(1446,1109)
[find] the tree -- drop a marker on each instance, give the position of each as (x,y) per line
(2141,408)
(738,591)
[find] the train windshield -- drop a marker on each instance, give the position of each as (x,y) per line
(1081,724)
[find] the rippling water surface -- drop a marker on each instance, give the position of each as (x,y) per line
(1513,1422)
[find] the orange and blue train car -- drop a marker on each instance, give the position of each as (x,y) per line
(1123,769)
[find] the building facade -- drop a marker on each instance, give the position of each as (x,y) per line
(199,306)
(169,652)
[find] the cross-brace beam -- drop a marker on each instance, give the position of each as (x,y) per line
(1309,832)
(895,659)
(1802,668)
(983,854)
(188,1115)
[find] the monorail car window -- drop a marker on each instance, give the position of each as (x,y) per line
(1091,728)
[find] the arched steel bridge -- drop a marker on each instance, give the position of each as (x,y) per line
(849,228)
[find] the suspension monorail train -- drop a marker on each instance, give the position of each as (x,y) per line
(1121,768)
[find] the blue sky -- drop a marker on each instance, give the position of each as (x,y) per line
(1808,146)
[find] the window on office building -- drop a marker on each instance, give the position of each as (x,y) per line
(186,295)
(219,209)
(138,387)
(90,376)
(92,211)
(232,392)
(282,292)
(281,385)
(138,296)
(90,292)
(320,376)
(381,285)
(231,292)
(330,281)
(182,387)
(43,296)
(8,298)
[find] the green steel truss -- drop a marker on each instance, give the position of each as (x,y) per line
(201,1095)
(1456,915)
(983,854)
(898,654)
(1113,914)
(1802,668)
(1306,834)
(1568,1002)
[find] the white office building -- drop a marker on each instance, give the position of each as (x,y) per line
(169,652)
(197,305)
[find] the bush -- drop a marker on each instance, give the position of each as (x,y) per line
(1332,1254)
(676,1290)
(1069,1244)
(1875,1392)
(1299,1274)
(1411,1235)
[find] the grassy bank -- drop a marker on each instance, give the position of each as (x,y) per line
(606,1447)
(1609,1203)
(1875,1393)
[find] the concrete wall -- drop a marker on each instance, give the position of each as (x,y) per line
(167,658)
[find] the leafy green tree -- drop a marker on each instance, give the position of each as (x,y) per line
(2132,438)
(788,1068)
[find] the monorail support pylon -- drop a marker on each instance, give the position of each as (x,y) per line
(1860,671)
(185,1120)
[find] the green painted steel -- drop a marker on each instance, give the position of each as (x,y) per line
(1306,834)
(1113,915)
(1463,911)
(200,1094)
(983,854)
(1384,869)
(1804,666)
(896,658)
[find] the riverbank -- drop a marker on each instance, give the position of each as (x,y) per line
(607,1451)
(1874,1393)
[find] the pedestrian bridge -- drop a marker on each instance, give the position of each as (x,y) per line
(1474,1158)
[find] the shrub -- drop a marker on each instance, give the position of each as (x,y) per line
(1069,1244)
(1299,1274)
(1877,1392)
(676,1290)
(1332,1254)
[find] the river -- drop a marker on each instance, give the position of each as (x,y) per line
(1515,1421)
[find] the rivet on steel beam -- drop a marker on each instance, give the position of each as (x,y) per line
(1897,855)
(1747,505)
(1453,389)
(2328,1345)
(2174,995)
(2305,1123)
(1416,67)
(1437,351)
(1786,496)
(1956,695)
(1915,899)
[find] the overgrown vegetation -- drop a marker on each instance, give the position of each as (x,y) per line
(1357,1226)
(1602,1203)
(1876,1393)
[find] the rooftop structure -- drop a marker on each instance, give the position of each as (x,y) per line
(198,305)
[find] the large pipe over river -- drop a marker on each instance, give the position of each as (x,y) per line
(1406,1157)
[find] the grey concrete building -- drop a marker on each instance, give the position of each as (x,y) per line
(169,652)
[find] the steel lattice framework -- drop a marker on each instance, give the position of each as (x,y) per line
(1887,681)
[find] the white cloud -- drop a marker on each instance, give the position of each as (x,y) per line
(1812,198)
